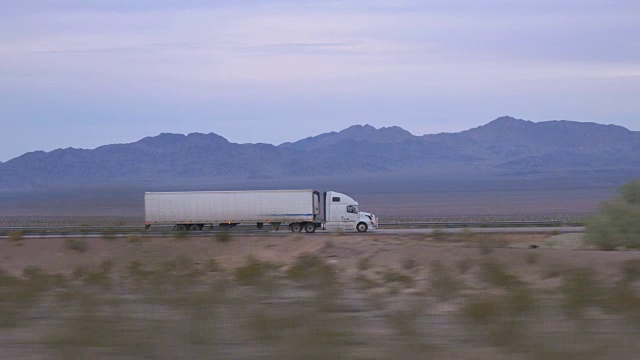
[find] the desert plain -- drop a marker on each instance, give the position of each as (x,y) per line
(341,295)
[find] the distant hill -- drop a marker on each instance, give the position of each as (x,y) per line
(513,145)
(505,146)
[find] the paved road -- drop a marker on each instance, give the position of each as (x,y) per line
(498,230)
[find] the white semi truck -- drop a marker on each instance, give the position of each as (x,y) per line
(299,209)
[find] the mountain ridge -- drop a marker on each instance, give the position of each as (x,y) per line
(505,146)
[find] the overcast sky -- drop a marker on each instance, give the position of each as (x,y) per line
(84,73)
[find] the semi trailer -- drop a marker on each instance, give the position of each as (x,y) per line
(300,210)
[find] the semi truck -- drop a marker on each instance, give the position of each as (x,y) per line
(306,210)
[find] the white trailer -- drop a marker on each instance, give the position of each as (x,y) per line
(299,209)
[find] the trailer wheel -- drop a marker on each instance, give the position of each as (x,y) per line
(310,227)
(362,227)
(194,227)
(295,227)
(181,227)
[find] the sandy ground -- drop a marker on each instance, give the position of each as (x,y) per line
(390,299)
(343,250)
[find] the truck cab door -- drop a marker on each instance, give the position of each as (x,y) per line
(341,211)
(351,214)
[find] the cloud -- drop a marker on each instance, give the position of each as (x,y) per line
(282,60)
(247,43)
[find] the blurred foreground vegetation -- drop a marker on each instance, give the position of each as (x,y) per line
(617,223)
(475,307)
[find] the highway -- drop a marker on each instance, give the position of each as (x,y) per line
(385,229)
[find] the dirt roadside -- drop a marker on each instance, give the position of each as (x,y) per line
(363,296)
(343,250)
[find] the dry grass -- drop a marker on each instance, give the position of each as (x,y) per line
(223,237)
(395,276)
(444,284)
(464,265)
(405,322)
(481,310)
(581,289)
(255,272)
(408,264)
(439,235)
(630,270)
(532,258)
(553,271)
(365,283)
(141,303)
(135,238)
(495,274)
(486,246)
(77,245)
(109,234)
(312,271)
(212,266)
(364,264)
(19,295)
(16,235)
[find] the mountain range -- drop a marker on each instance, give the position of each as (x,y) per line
(505,146)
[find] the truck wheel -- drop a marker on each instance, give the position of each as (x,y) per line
(295,227)
(181,227)
(362,227)
(194,227)
(310,227)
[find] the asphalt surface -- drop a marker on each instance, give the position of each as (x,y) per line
(426,231)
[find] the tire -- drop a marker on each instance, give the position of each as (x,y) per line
(362,227)
(194,227)
(295,227)
(310,227)
(181,227)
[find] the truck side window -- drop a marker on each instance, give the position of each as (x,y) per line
(351,209)
(335,199)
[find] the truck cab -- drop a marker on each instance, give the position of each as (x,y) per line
(342,213)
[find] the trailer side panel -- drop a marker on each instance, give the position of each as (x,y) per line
(215,207)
